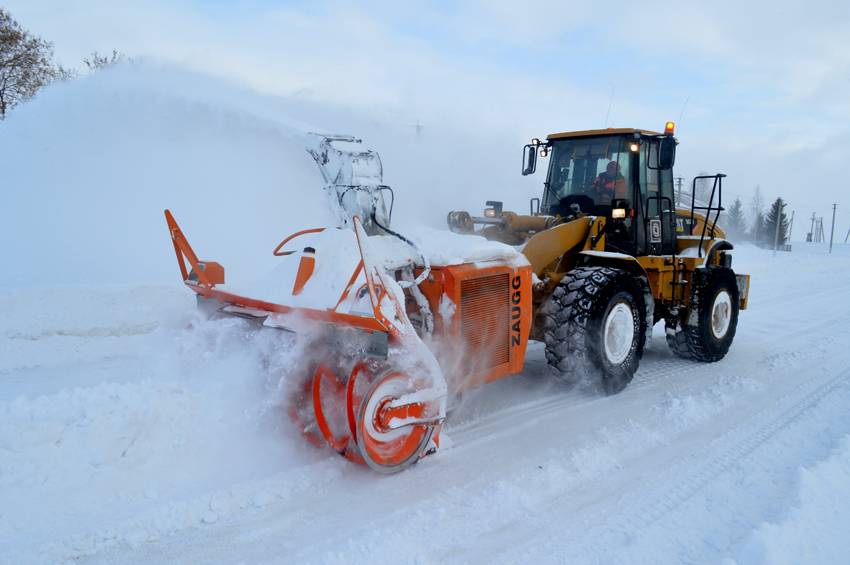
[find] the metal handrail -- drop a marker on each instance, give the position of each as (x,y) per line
(716,187)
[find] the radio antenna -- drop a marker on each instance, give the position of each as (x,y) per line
(609,104)
(680,115)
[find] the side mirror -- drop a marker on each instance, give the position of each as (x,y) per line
(667,153)
(529,159)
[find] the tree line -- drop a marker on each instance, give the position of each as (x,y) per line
(761,228)
(27,64)
(757,225)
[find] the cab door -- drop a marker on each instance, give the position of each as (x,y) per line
(657,209)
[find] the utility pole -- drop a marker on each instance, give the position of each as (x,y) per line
(832,233)
(812,231)
(418,127)
(679,195)
(846,236)
(776,234)
(790,226)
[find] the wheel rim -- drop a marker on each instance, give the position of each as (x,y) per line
(619,333)
(389,451)
(721,314)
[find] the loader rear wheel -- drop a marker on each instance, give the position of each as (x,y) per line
(707,332)
(389,450)
(596,327)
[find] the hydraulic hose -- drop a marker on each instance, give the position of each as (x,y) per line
(425,262)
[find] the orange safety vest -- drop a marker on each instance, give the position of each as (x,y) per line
(610,188)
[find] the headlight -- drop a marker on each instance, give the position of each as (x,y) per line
(618,213)
(489,213)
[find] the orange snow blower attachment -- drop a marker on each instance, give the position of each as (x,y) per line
(374,393)
(387,331)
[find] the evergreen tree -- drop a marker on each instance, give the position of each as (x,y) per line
(736,223)
(776,214)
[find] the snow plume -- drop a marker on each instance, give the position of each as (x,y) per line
(90,165)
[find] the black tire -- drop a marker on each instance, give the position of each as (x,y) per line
(584,312)
(706,332)
(676,338)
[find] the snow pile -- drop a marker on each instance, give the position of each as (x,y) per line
(443,248)
(336,255)
(126,453)
(69,325)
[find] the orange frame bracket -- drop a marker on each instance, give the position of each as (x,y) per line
(209,273)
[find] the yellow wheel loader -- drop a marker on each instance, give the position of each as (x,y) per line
(611,255)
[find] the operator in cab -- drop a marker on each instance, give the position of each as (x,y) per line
(610,184)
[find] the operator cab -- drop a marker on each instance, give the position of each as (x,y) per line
(591,172)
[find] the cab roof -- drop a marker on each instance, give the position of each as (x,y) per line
(600,132)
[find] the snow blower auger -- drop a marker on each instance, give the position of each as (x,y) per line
(378,364)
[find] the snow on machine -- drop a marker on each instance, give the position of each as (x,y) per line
(391,334)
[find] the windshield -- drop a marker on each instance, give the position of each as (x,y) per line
(589,172)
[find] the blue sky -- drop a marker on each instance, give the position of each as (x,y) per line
(767,84)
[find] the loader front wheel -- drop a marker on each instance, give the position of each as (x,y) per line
(596,327)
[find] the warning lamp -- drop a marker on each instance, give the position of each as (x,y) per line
(620,209)
(668,129)
(493,210)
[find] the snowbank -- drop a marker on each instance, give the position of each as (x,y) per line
(150,456)
(812,526)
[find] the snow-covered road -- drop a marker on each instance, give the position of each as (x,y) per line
(125,438)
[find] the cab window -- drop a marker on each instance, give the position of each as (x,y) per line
(590,172)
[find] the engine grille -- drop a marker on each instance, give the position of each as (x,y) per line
(485,322)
